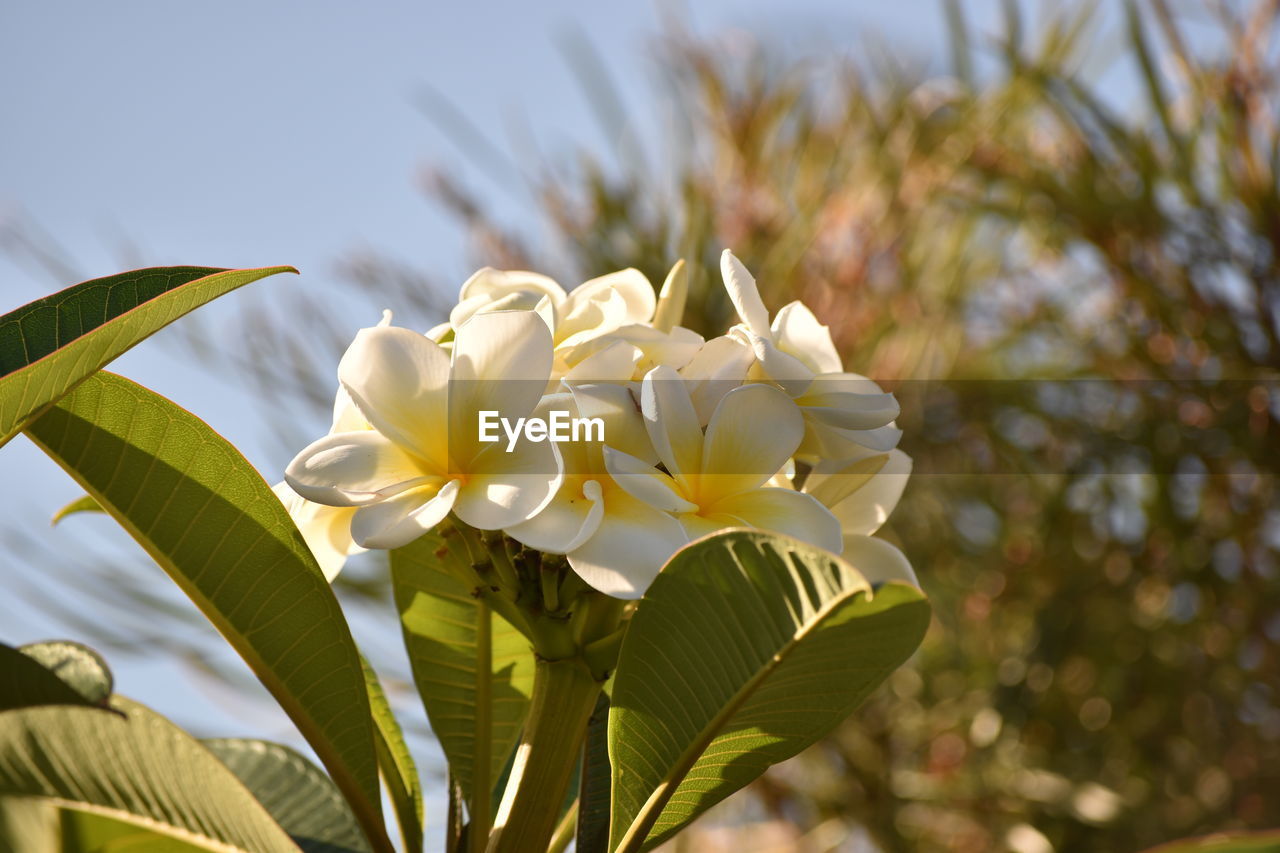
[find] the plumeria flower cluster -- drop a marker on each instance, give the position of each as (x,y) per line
(761,427)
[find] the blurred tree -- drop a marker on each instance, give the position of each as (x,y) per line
(1103,671)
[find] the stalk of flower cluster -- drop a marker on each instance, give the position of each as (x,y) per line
(565,691)
(564,695)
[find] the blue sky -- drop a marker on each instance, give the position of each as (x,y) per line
(241,133)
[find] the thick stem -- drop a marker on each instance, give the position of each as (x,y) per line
(564,695)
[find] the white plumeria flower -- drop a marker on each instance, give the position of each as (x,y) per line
(842,411)
(423,457)
(327,529)
(614,541)
(632,350)
(719,479)
(583,322)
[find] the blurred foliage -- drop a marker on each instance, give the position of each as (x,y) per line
(1101,549)
(1104,664)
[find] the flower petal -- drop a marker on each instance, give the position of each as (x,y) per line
(633,543)
(671,421)
(773,364)
(630,284)
(353,469)
(618,409)
(823,441)
(715,370)
(865,510)
(644,482)
(674,348)
(399,379)
(326,529)
(672,298)
(784,511)
(696,526)
(752,434)
(798,332)
(840,400)
(397,521)
(503,489)
(346,415)
(832,482)
(489,289)
(877,560)
(570,519)
(501,363)
(744,294)
(614,361)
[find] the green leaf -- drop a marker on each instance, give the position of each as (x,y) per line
(78,665)
(82,831)
(130,764)
(441,621)
(593,787)
(396,763)
(84,503)
(30,824)
(748,648)
(295,792)
(207,517)
(50,345)
(26,682)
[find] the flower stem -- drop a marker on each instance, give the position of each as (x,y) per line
(564,695)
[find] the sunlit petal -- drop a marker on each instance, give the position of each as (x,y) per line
(326,529)
(630,284)
(822,441)
(501,362)
(570,519)
(633,543)
(671,421)
(353,469)
(718,367)
(744,294)
(877,560)
(773,364)
(346,415)
(398,380)
(619,411)
(838,399)
(613,361)
(644,482)
(752,434)
(832,482)
(866,509)
(504,489)
(489,289)
(784,511)
(798,332)
(398,521)
(672,297)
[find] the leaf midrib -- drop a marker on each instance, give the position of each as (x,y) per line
(148,823)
